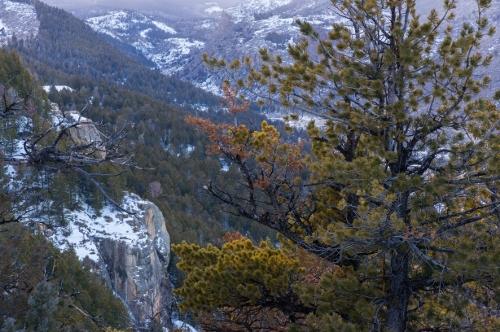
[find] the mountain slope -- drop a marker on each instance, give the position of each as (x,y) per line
(240,30)
(168,151)
(229,32)
(17,19)
(67,45)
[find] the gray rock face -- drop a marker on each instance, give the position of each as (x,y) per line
(130,251)
(82,131)
(138,274)
(87,134)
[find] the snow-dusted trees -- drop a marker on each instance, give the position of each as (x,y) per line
(37,136)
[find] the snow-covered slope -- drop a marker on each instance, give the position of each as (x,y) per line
(176,45)
(86,228)
(253,7)
(17,19)
(241,30)
(156,39)
(129,247)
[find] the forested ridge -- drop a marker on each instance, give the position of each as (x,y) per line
(127,93)
(68,45)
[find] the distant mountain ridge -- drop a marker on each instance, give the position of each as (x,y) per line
(51,37)
(229,32)
(240,30)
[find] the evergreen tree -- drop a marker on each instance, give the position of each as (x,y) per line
(399,191)
(46,290)
(247,286)
(43,303)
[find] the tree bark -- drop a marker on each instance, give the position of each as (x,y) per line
(398,293)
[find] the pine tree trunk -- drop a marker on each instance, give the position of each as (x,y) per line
(399,293)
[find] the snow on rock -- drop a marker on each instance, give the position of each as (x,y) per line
(129,249)
(183,326)
(87,227)
(3,27)
(62,119)
(210,85)
(275,23)
(144,33)
(58,88)
(107,24)
(302,122)
(82,131)
(185,45)
(176,54)
(213,8)
(17,19)
(248,8)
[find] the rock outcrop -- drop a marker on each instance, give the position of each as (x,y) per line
(129,247)
(138,274)
(82,131)
(130,252)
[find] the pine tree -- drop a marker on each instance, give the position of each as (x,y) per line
(399,189)
(43,303)
(240,286)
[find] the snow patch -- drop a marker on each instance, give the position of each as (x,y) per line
(58,88)
(3,28)
(213,9)
(144,33)
(165,28)
(185,45)
(114,20)
(210,85)
(183,326)
(171,60)
(85,227)
(247,9)
(275,23)
(301,122)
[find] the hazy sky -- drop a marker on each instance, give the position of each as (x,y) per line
(189,7)
(163,5)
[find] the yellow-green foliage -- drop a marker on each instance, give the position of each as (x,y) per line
(399,188)
(238,274)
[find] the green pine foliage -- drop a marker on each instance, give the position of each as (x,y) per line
(45,290)
(399,191)
(223,285)
(158,138)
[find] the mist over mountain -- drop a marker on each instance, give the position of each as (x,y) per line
(187,7)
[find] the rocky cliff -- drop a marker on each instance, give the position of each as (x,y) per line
(128,246)
(130,251)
